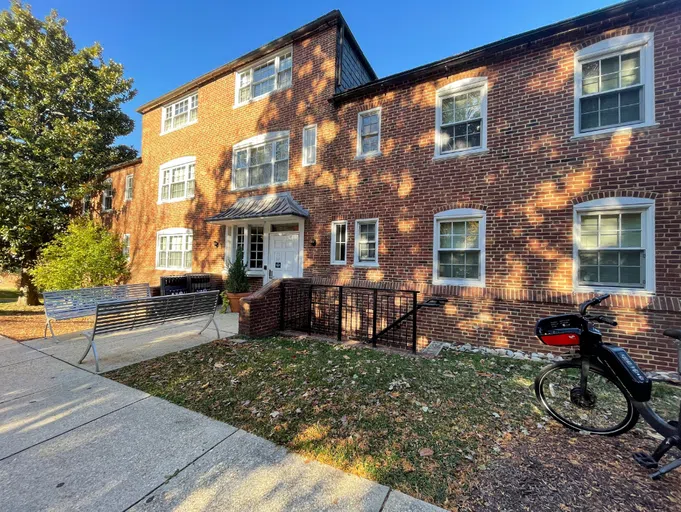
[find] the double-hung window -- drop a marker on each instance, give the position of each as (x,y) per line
(614,245)
(261,161)
(339,242)
(366,243)
(310,145)
(128,187)
(369,132)
(107,196)
(180,113)
(177,180)
(461,117)
(271,74)
(174,249)
(614,84)
(459,247)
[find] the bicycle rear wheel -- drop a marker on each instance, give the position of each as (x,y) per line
(605,408)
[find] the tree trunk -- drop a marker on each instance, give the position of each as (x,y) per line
(29,293)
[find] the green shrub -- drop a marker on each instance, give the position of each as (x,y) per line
(237,280)
(85,255)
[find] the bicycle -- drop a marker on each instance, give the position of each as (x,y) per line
(602,387)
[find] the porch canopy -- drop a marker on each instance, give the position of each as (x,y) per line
(259,207)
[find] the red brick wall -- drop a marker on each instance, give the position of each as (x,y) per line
(528,181)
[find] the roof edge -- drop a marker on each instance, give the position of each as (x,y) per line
(490,49)
(123,165)
(330,18)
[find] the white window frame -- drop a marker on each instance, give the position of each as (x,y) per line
(335,224)
(192,106)
(253,142)
(107,193)
(618,205)
(249,70)
(459,87)
(129,179)
(357,262)
(126,246)
(609,48)
(184,232)
(360,115)
(185,161)
(460,215)
(313,161)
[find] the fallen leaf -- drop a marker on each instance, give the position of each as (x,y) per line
(425,452)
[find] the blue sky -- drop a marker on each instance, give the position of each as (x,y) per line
(163,44)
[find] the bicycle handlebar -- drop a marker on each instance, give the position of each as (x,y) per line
(591,302)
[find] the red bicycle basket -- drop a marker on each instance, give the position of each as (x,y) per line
(560,331)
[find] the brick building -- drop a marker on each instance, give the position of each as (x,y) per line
(516,179)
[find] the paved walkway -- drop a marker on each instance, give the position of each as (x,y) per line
(72,440)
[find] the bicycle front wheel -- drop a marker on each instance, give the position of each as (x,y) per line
(604,409)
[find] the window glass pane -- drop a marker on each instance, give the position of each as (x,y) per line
(284,78)
(590,77)
(588,258)
(631,239)
(631,275)
(174,259)
(609,223)
(472,234)
(589,241)
(177,190)
(631,69)
(610,73)
(447,139)
(609,274)
(281,171)
(244,94)
(609,240)
(262,72)
(369,143)
(447,110)
(589,223)
(588,274)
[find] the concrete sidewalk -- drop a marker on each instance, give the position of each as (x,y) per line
(72,440)
(124,348)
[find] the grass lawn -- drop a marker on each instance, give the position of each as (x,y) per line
(23,323)
(424,427)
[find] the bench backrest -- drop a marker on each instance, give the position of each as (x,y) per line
(83,302)
(131,314)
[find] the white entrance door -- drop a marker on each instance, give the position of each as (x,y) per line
(283,260)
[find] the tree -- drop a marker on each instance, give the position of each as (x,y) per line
(85,255)
(60,113)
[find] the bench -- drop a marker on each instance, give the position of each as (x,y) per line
(132,314)
(65,304)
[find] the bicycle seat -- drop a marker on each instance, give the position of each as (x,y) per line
(673,333)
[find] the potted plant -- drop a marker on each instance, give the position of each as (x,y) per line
(237,285)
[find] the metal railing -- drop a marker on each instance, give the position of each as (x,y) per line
(378,316)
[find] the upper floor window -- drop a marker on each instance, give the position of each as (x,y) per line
(310,145)
(174,249)
(459,247)
(369,132)
(339,242)
(366,243)
(261,160)
(180,113)
(614,245)
(461,117)
(107,196)
(128,187)
(614,84)
(266,76)
(176,179)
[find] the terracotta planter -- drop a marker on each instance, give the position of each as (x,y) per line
(234,301)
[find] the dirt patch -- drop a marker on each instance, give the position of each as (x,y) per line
(559,470)
(23,323)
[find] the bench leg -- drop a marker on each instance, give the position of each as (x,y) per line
(48,324)
(90,345)
(211,319)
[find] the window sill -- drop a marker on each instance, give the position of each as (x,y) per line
(174,269)
(365,265)
(369,156)
(179,128)
(254,100)
(613,131)
(460,154)
(179,200)
(258,187)
(459,282)
(339,263)
(614,290)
